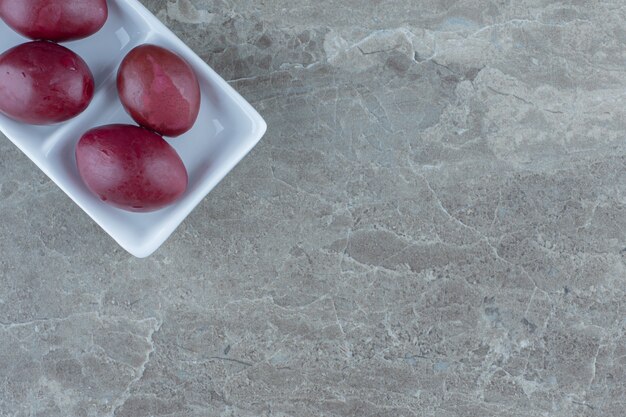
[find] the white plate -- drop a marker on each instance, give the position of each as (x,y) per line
(226,130)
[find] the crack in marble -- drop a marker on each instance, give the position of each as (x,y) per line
(522,22)
(484,238)
(10,325)
(125,395)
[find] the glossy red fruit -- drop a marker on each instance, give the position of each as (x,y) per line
(43,83)
(54,20)
(130,167)
(159,90)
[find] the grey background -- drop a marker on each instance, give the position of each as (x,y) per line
(434,225)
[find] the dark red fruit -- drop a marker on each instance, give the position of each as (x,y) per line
(54,20)
(159,90)
(43,83)
(130,167)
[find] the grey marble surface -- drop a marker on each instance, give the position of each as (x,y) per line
(434,225)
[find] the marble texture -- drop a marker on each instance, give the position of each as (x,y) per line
(434,225)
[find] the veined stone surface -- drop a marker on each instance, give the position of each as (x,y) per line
(434,225)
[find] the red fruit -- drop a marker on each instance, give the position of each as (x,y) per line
(54,20)
(159,90)
(130,167)
(43,83)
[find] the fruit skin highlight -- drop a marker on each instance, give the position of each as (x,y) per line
(159,90)
(130,167)
(43,83)
(54,20)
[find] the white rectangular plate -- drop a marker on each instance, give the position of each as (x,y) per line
(226,130)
